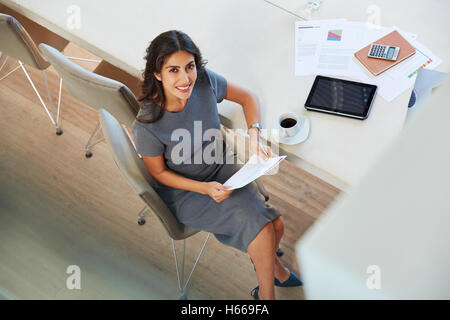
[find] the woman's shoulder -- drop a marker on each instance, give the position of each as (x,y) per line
(216,82)
(143,130)
(147,112)
(208,75)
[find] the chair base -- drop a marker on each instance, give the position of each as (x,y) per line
(182,285)
(183,296)
(141,214)
(90,143)
(51,114)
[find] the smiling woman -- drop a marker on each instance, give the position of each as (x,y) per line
(181,94)
(178,77)
(173,62)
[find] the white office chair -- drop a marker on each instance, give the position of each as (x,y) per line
(133,169)
(19,37)
(17,43)
(94,90)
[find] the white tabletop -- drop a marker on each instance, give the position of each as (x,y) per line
(249,42)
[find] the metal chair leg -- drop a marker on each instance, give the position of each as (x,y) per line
(37,94)
(141,220)
(6,75)
(84,59)
(4,62)
(50,99)
(183,286)
(50,115)
(78,58)
(59,107)
(90,143)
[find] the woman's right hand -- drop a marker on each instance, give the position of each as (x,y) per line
(217,191)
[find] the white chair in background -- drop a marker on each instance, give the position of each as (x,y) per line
(94,90)
(16,42)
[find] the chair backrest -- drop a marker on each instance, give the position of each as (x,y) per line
(37,32)
(17,43)
(137,175)
(92,89)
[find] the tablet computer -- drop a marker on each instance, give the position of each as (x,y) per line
(341,97)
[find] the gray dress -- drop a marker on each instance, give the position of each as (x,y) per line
(236,220)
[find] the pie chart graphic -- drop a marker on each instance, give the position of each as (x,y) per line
(334,35)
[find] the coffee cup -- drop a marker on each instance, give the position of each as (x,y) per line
(289,124)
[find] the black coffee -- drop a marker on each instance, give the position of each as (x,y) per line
(288,123)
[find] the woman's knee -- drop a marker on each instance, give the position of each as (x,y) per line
(269,231)
(266,233)
(278,226)
(269,228)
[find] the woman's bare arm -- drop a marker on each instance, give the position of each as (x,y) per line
(250,107)
(158,169)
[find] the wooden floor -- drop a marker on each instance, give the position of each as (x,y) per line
(58,208)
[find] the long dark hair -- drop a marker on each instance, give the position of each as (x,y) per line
(161,47)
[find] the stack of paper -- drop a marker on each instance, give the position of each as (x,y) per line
(326,47)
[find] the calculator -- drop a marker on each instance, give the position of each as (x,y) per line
(381,51)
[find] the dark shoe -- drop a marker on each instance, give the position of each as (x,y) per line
(293,281)
(254,293)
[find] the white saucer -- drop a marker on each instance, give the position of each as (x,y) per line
(301,135)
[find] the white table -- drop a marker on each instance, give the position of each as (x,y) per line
(249,42)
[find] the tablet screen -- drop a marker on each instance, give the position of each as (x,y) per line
(341,97)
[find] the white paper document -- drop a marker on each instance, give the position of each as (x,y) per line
(308,45)
(252,170)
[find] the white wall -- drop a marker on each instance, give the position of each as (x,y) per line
(397,218)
